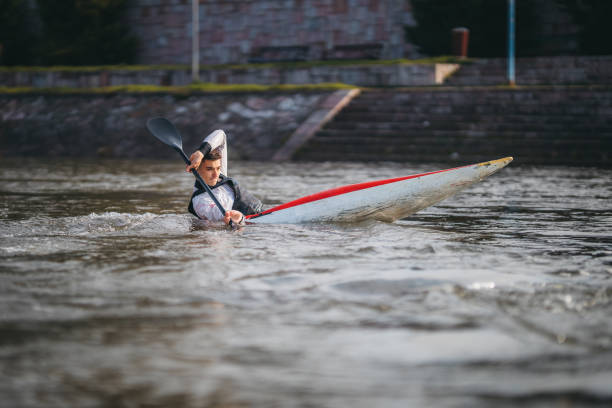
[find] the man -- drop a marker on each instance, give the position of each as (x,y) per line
(210,160)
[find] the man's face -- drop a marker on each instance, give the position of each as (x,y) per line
(210,170)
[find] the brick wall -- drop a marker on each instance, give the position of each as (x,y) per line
(237,31)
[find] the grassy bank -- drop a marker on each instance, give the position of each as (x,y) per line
(282,65)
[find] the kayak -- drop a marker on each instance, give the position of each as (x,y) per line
(384,200)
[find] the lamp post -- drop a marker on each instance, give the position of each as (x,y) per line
(511,30)
(195,40)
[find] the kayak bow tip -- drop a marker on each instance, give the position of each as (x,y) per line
(499,162)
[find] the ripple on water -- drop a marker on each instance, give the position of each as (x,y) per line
(106,284)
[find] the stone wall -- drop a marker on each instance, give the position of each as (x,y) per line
(536,71)
(236,31)
(114,126)
(529,71)
(398,74)
(561,125)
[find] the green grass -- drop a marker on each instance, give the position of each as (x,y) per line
(202,87)
(177,90)
(280,65)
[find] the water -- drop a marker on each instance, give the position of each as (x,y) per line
(110,296)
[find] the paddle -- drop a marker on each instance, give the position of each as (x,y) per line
(165,131)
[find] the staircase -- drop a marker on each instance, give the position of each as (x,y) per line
(565,125)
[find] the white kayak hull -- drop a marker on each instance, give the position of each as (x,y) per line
(384,200)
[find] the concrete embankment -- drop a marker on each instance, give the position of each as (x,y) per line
(558,125)
(114,125)
(357,73)
(563,116)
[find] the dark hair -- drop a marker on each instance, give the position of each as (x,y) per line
(215,154)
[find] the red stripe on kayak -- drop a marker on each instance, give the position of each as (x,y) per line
(343,190)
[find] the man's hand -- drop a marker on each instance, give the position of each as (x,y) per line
(235,216)
(196,160)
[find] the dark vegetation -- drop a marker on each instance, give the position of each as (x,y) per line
(593,17)
(65,32)
(94,32)
(17,37)
(487,21)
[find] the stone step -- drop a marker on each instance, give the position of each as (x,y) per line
(434,142)
(576,120)
(436,148)
(595,101)
(603,134)
(427,124)
(424,120)
(493,107)
(454,158)
(454,155)
(457,95)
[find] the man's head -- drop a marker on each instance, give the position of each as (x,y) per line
(210,168)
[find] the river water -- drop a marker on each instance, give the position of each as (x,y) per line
(111,297)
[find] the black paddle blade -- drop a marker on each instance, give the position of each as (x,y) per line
(165,131)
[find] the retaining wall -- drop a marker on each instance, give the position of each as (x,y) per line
(557,125)
(529,71)
(398,74)
(536,71)
(114,125)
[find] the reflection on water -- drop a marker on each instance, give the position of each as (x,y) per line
(111,296)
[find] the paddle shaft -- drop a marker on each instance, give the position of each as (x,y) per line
(199,178)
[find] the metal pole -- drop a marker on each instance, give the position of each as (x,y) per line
(511,30)
(195,40)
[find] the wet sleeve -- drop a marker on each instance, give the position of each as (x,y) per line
(217,139)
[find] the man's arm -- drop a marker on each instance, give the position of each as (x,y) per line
(197,156)
(195,159)
(211,142)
